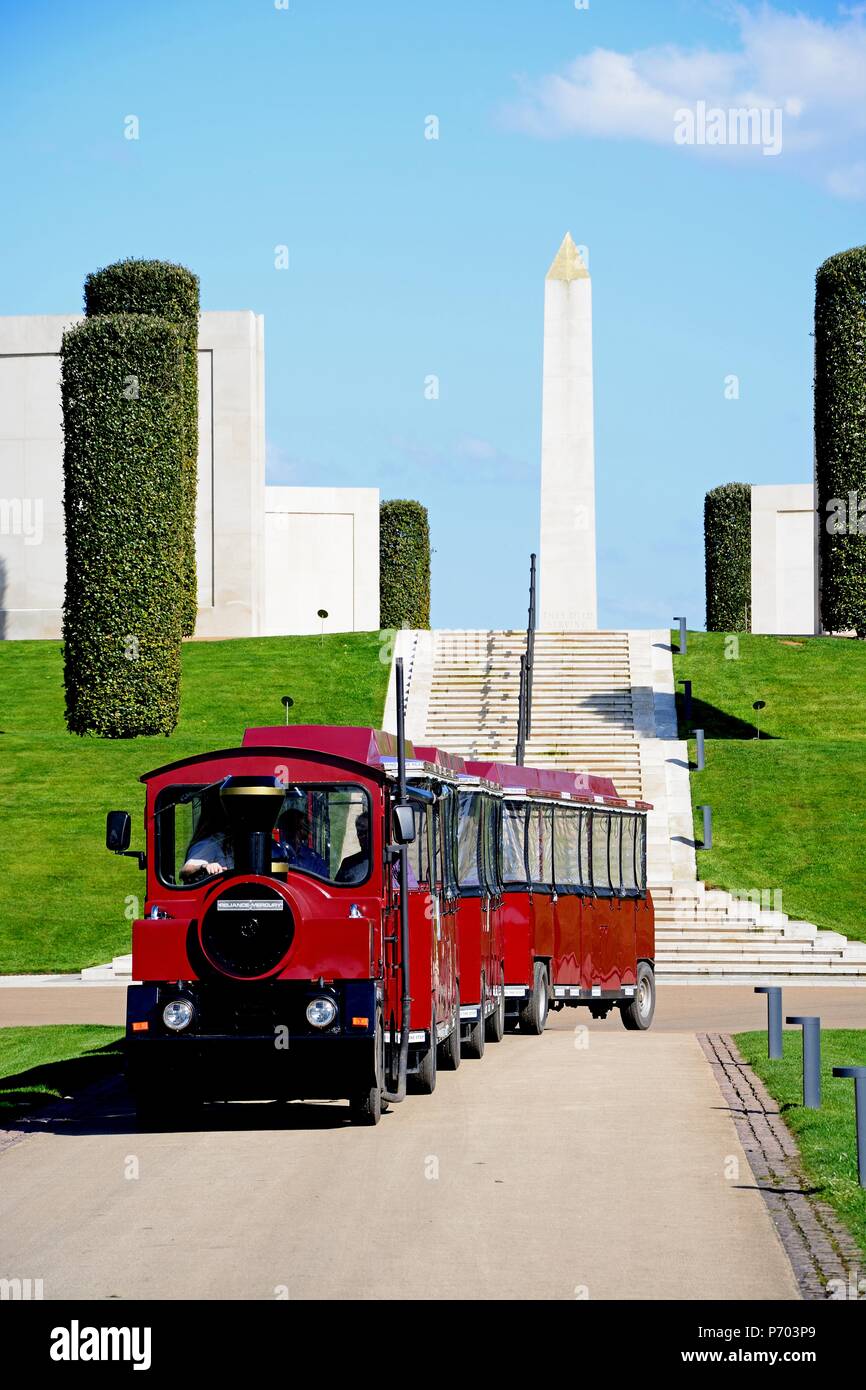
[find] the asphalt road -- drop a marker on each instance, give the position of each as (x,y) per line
(595,1163)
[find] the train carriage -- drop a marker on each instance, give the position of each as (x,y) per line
(480,921)
(578,918)
(434,904)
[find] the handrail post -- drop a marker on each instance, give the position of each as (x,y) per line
(520,750)
(530,650)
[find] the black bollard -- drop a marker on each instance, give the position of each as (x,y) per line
(811,1059)
(774,1019)
(858,1075)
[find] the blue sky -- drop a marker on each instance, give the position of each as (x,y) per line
(409,257)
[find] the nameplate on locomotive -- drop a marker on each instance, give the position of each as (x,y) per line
(249,905)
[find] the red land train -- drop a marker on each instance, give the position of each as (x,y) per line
(302,889)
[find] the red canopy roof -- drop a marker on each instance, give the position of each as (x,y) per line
(359,744)
(373,746)
(542,779)
(428,754)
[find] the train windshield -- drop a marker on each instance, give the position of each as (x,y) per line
(323,831)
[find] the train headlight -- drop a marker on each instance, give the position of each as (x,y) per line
(178,1015)
(321,1012)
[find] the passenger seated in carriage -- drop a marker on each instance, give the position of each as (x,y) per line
(211,852)
(355,867)
(293,847)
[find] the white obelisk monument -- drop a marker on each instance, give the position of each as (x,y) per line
(567,586)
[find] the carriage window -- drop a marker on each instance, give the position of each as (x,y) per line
(469,839)
(512,837)
(418,850)
(640,853)
(599,835)
(613,848)
(433,818)
(584,849)
(540,846)
(323,831)
(490,821)
(566,846)
(629,876)
(446,832)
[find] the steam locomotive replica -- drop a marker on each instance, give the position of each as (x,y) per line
(333,913)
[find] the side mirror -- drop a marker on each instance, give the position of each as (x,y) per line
(118,828)
(404,825)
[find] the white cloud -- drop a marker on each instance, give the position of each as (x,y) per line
(811,70)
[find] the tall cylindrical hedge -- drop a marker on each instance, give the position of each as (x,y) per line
(840,439)
(124,431)
(728,557)
(404,565)
(170,292)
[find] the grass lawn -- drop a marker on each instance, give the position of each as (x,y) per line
(826,1137)
(788,807)
(64,901)
(38,1065)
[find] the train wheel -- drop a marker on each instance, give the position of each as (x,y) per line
(533,1015)
(474,1044)
(495,1026)
(638,1012)
(365,1108)
(449,1058)
(425,1077)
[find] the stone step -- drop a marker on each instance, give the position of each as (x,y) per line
(544,675)
(685,966)
(575,696)
(722,933)
(724,950)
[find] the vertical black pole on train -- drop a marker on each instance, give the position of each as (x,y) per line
(399,1092)
(530,650)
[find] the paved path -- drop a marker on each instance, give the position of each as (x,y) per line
(681,1008)
(541,1172)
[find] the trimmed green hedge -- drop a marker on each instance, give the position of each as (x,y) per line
(404,561)
(840,437)
(728,557)
(169,292)
(123,421)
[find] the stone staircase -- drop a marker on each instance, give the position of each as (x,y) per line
(709,935)
(582,714)
(604,702)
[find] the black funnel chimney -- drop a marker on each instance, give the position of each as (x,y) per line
(252,805)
